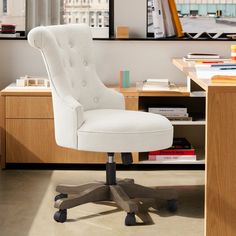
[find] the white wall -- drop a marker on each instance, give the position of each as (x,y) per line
(144,59)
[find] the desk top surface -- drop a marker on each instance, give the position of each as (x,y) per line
(206,84)
(12,90)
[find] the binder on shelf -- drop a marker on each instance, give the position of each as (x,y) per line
(158,19)
(177,24)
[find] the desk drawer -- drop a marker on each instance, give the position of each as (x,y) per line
(33,141)
(28,107)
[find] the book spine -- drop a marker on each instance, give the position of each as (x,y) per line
(168,109)
(173,114)
(175,18)
(158,21)
(169,115)
(173,152)
(168,23)
(172,158)
(180,118)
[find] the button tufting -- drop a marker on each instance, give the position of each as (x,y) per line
(84,83)
(96,99)
(85,63)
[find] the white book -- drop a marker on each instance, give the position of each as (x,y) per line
(8,35)
(168,23)
(214,65)
(206,59)
(158,20)
(168,109)
(159,88)
(203,55)
(174,115)
(208,73)
(172,157)
(158,81)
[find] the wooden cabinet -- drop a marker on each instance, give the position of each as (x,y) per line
(27,127)
(220,139)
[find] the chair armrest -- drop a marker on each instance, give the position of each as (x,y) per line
(68,117)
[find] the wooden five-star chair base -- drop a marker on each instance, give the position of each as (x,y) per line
(125,193)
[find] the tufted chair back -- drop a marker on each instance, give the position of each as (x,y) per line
(68,55)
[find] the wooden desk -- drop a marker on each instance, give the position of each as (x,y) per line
(27,127)
(220,185)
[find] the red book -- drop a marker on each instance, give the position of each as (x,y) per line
(173,152)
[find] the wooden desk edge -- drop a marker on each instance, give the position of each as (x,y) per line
(129,92)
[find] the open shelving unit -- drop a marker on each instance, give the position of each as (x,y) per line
(193,130)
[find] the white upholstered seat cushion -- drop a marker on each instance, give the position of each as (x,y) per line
(110,130)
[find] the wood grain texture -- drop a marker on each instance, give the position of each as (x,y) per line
(3,133)
(220,204)
(29,107)
(29,128)
(132,103)
(133,92)
(220,186)
(33,141)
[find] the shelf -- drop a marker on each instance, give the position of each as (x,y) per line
(112,38)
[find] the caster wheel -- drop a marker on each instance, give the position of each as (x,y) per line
(60,196)
(130,219)
(172,205)
(60,216)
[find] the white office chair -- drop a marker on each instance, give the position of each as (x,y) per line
(91,117)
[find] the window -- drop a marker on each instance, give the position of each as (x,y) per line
(205,18)
(4,6)
(71,12)
(13,12)
(212,17)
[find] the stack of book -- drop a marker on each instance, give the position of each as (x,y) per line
(156,84)
(172,113)
(206,71)
(206,58)
(181,150)
(166,21)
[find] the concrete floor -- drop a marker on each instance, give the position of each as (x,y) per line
(26,205)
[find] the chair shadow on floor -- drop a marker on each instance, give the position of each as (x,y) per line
(190,204)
